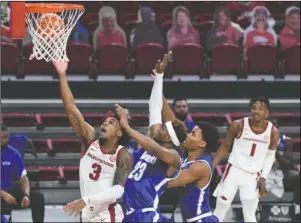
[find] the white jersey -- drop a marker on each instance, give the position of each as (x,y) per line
(249,149)
(96,172)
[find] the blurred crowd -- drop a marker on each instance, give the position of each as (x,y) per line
(244,24)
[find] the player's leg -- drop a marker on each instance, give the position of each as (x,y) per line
(226,191)
(212,218)
(249,196)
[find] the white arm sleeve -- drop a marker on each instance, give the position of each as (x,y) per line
(268,163)
(109,195)
(155,101)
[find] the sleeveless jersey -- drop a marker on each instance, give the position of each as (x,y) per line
(97,170)
(145,184)
(249,149)
(194,201)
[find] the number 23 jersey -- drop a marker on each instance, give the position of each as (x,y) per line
(145,184)
(97,170)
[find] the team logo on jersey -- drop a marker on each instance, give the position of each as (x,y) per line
(113,158)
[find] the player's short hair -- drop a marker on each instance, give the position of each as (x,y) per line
(3,128)
(210,136)
(262,99)
(125,138)
(180,129)
(179,98)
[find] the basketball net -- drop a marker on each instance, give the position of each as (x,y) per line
(50,43)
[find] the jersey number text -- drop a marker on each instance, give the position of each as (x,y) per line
(253,149)
(96,171)
(138,171)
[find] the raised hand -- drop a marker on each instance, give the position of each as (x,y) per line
(123,116)
(160,66)
(61,67)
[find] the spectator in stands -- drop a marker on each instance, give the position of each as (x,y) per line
(260,32)
(182,31)
(5,13)
(79,34)
(274,181)
(146,30)
(108,31)
(22,143)
(240,10)
(12,166)
(290,34)
(223,30)
(181,110)
(290,169)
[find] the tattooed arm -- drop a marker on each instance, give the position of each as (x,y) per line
(82,128)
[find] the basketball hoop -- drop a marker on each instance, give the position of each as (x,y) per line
(50,26)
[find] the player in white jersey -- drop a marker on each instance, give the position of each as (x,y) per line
(255,143)
(105,165)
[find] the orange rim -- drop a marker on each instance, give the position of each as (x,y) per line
(44,8)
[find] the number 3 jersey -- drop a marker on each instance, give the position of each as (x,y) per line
(97,170)
(145,184)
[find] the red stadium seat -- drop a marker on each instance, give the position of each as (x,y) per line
(225,58)
(140,120)
(187,59)
(215,119)
(72,173)
(292,60)
(147,55)
(287,119)
(54,119)
(94,119)
(41,145)
(79,55)
(262,59)
(203,17)
(203,28)
(47,173)
(164,17)
(165,26)
(296,144)
(113,58)
(19,119)
(90,16)
(35,66)
(66,145)
(9,58)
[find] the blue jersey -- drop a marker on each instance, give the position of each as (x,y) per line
(145,184)
(194,201)
(281,143)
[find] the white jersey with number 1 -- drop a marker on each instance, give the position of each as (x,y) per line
(245,163)
(250,148)
(96,173)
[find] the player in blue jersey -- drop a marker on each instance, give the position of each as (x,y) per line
(159,162)
(196,174)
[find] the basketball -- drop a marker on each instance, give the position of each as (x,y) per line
(49,25)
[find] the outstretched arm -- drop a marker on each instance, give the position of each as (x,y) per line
(82,128)
(155,101)
(195,172)
(234,130)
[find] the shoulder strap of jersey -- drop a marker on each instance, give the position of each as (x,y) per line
(118,149)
